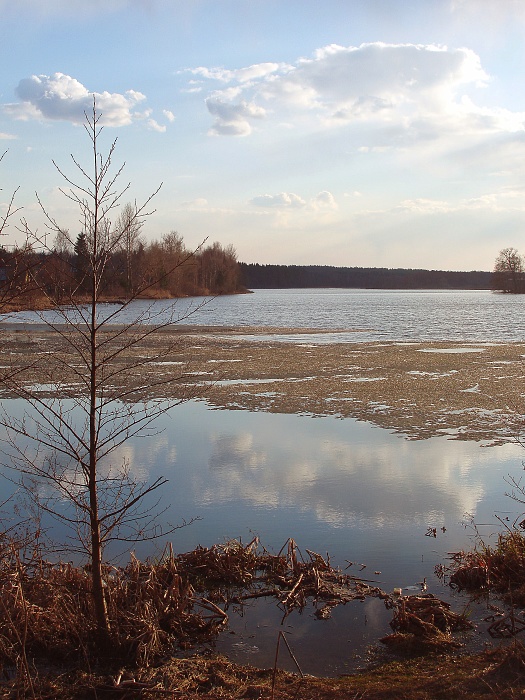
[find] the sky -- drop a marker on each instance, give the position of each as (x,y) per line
(370,133)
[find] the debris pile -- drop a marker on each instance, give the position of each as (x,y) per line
(423,623)
(235,573)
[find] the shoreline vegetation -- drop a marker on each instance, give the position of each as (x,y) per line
(183,598)
(158,609)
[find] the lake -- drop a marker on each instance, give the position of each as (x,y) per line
(374,314)
(340,486)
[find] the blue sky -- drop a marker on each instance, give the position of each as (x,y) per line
(348,132)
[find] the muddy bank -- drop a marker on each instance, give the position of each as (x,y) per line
(461,390)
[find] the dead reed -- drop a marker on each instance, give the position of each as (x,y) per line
(235,573)
(424,623)
(46,610)
(499,568)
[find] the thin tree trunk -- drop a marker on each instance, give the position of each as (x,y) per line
(99,599)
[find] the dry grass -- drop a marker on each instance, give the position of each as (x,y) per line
(499,568)
(155,608)
(46,611)
(494,675)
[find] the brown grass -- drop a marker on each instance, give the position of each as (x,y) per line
(499,568)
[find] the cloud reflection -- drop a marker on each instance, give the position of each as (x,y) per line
(367,475)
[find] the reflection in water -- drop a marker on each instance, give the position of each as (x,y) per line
(339,486)
(344,487)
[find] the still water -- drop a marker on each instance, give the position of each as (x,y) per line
(335,486)
(344,487)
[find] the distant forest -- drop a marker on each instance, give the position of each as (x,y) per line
(255,276)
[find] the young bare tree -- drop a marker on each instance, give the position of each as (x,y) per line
(16,263)
(96,394)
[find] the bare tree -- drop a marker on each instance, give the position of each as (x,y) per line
(10,207)
(509,269)
(97,396)
(16,263)
(128,233)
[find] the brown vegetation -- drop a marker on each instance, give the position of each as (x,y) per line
(499,568)
(156,608)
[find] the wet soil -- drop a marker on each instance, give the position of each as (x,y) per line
(422,389)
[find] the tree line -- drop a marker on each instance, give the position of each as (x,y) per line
(255,276)
(163,268)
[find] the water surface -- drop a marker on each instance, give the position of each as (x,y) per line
(376,314)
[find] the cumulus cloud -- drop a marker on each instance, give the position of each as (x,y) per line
(233,119)
(169,115)
(413,92)
(6,137)
(61,97)
(284,200)
(324,200)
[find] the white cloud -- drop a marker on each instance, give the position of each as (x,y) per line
(169,115)
(402,93)
(324,200)
(61,97)
(7,137)
(155,126)
(503,201)
(283,200)
(233,119)
(424,206)
(241,75)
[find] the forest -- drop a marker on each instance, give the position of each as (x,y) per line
(255,276)
(163,268)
